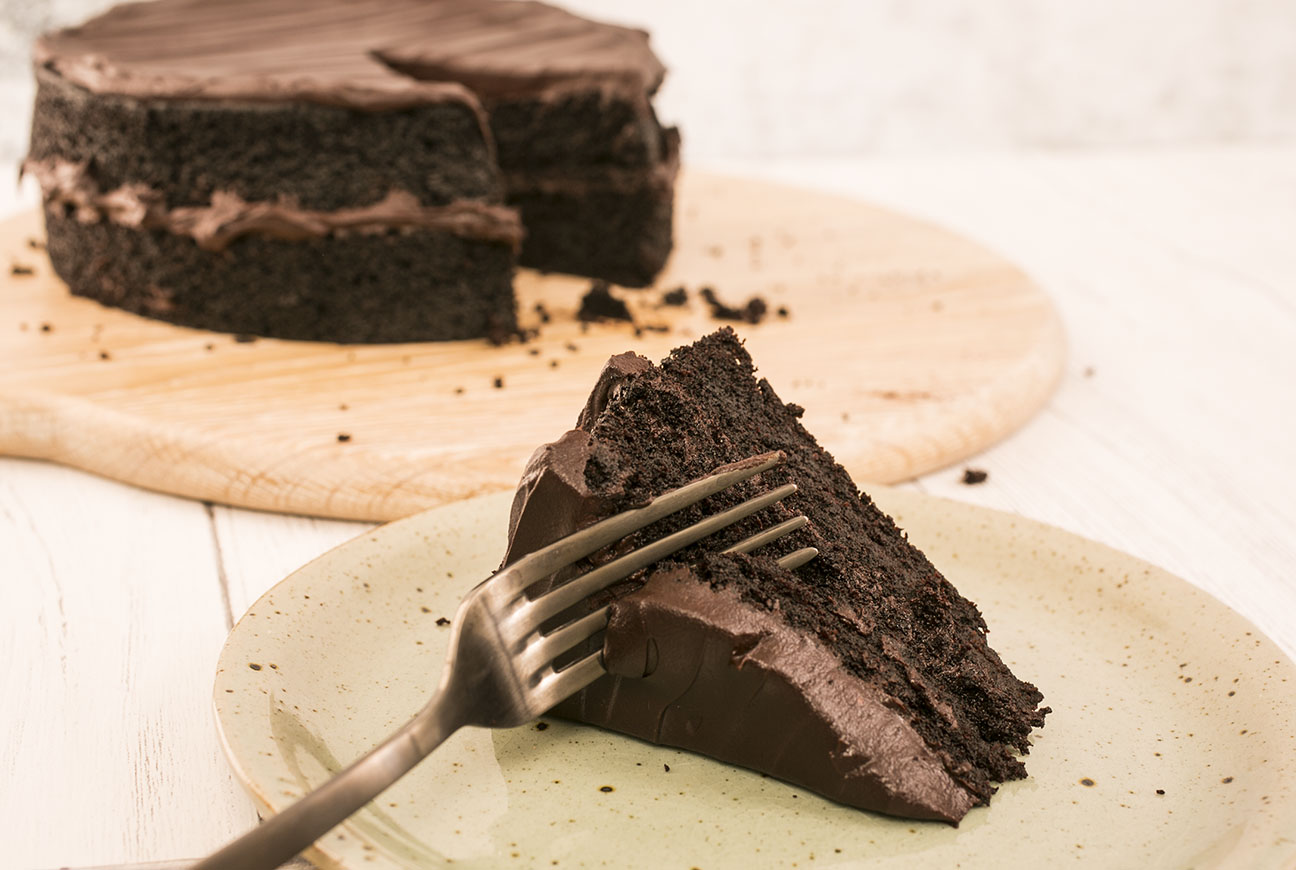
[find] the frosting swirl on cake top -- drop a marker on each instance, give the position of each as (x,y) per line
(363,54)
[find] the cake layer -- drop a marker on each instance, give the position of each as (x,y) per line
(901,637)
(343,287)
(620,237)
(323,156)
(615,224)
(583,128)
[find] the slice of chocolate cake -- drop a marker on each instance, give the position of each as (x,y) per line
(346,170)
(863,676)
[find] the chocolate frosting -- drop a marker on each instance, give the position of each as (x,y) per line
(361,54)
(553,498)
(555,479)
(70,186)
(697,667)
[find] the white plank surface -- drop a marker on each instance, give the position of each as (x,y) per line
(111,628)
(1169,438)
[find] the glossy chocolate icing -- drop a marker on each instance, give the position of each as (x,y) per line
(693,664)
(553,498)
(361,54)
(697,667)
(69,186)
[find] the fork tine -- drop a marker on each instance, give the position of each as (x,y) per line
(537,654)
(797,558)
(531,614)
(556,686)
(773,533)
(551,559)
(534,654)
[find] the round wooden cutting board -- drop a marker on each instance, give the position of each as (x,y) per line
(909,347)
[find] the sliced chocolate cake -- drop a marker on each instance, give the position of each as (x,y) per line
(347,170)
(863,676)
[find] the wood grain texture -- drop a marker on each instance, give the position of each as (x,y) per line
(911,347)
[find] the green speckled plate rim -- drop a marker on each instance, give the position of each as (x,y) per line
(1170,745)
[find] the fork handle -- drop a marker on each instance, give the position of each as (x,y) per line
(284,834)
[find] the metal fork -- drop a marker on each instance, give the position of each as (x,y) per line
(500,670)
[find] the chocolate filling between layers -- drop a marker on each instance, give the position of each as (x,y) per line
(69,188)
(903,636)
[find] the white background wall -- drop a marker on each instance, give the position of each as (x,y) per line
(757,78)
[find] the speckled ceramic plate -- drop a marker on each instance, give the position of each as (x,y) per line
(1170,745)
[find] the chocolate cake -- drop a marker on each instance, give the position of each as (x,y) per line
(349,170)
(863,675)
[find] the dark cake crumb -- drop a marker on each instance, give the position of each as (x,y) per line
(35,244)
(498,383)
(542,312)
(105,355)
(343,437)
(599,304)
(553,363)
(459,391)
(782,311)
(666,767)
(676,297)
(500,333)
(21,269)
(209,346)
(972,476)
(535,351)
(571,346)
(245,338)
(542,726)
(752,312)
(442,621)
(47,327)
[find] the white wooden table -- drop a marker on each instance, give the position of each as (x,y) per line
(1171,438)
